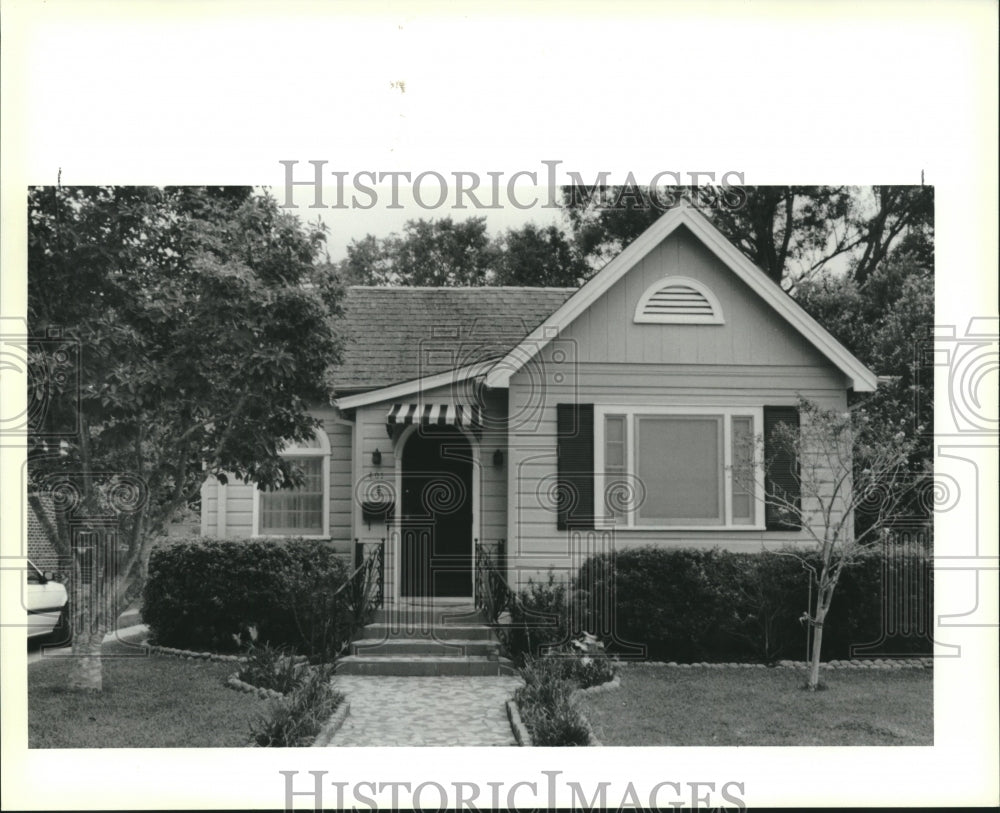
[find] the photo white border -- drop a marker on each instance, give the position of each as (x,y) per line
(106,92)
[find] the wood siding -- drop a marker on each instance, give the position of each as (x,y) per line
(604,358)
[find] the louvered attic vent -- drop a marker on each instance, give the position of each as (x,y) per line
(679,300)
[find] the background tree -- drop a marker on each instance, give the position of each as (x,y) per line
(176,333)
(885,322)
(537,256)
(440,252)
(845,466)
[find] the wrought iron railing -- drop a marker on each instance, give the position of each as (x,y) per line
(364,587)
(492,593)
(524,630)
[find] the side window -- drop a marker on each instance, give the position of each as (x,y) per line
(302,510)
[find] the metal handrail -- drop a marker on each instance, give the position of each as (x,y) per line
(365,585)
(493,594)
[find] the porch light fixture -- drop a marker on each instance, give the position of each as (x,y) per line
(498,458)
(376,458)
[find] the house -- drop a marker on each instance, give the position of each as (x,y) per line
(563,421)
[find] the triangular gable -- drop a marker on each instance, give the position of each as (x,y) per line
(860,377)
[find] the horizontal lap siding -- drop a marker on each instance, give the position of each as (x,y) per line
(603,358)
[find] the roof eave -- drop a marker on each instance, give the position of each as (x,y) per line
(859,377)
(414,386)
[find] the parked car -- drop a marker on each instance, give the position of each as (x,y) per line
(48,607)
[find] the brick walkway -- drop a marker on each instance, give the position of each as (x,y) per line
(425,710)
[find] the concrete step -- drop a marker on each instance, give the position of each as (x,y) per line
(424,666)
(429,615)
(452,648)
(383,631)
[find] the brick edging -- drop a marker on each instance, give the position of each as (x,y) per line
(332,725)
(233,682)
(873,663)
(521,733)
(191,655)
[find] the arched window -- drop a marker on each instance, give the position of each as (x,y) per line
(305,509)
(678,300)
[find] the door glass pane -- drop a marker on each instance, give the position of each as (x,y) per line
(680,465)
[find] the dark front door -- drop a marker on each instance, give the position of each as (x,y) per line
(436,514)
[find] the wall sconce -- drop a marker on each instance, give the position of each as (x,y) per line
(498,458)
(376,458)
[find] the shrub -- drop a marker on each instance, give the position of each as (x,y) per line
(546,705)
(539,619)
(270,667)
(201,592)
(296,720)
(587,664)
(668,600)
(710,605)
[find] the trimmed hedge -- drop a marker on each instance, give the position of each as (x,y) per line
(692,605)
(201,592)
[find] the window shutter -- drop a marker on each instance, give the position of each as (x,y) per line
(782,474)
(575,466)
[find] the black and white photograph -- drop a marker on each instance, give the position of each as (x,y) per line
(386,396)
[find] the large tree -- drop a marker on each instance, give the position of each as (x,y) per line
(173,334)
(791,232)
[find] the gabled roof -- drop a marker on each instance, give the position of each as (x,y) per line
(859,377)
(397,335)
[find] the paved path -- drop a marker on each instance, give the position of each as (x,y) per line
(425,710)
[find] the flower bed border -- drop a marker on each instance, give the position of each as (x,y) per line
(522,734)
(190,654)
(333,725)
(872,663)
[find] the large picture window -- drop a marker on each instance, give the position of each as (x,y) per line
(303,510)
(681,467)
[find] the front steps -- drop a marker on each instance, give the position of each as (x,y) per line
(433,640)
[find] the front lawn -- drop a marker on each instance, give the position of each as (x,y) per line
(147,702)
(703,706)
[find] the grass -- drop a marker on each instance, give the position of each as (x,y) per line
(147,702)
(698,707)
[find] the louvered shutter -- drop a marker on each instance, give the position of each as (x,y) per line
(783,468)
(575,466)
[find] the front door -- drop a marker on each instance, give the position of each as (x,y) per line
(436,514)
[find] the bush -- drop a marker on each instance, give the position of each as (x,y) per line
(202,593)
(669,600)
(546,706)
(296,720)
(539,619)
(692,605)
(269,667)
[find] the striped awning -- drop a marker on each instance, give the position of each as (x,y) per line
(468,416)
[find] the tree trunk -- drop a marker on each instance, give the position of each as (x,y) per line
(817,647)
(87,673)
(89,623)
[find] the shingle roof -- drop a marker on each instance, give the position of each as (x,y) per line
(400,334)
